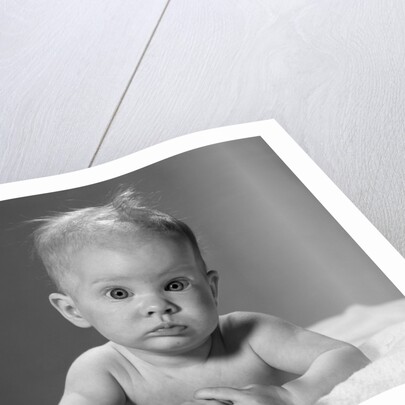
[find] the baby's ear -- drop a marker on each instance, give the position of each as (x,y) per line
(213,279)
(66,306)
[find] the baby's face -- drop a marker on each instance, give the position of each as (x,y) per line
(151,296)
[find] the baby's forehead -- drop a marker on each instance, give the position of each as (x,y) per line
(131,257)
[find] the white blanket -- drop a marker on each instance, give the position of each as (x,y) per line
(387,370)
(386,349)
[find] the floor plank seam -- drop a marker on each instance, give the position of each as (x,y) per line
(128,85)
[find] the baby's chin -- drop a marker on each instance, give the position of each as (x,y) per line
(172,346)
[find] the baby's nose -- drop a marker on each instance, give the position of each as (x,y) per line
(160,311)
(159,306)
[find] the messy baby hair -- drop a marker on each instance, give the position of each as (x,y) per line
(59,236)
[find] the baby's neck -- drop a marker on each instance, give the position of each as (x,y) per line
(195,357)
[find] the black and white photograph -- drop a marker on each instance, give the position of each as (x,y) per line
(273,257)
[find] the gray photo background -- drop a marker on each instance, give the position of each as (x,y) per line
(276,248)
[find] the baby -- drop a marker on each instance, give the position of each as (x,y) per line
(137,276)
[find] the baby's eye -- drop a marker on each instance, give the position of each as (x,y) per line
(118,293)
(177,285)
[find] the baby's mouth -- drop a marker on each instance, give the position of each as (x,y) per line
(168,328)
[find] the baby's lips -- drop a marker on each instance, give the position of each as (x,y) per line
(167,326)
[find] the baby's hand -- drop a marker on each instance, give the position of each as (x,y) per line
(250,395)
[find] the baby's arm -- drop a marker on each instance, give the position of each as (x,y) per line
(325,372)
(320,361)
(89,382)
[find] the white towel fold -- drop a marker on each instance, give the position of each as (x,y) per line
(386,349)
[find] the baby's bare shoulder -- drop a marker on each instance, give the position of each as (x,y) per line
(278,342)
(245,326)
(99,357)
(238,320)
(255,325)
(90,378)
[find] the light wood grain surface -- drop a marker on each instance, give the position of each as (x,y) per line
(64,66)
(83,83)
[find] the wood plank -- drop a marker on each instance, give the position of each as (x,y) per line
(63,69)
(330,72)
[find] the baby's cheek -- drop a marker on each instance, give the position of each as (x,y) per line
(207,302)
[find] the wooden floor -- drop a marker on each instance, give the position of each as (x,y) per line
(85,82)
